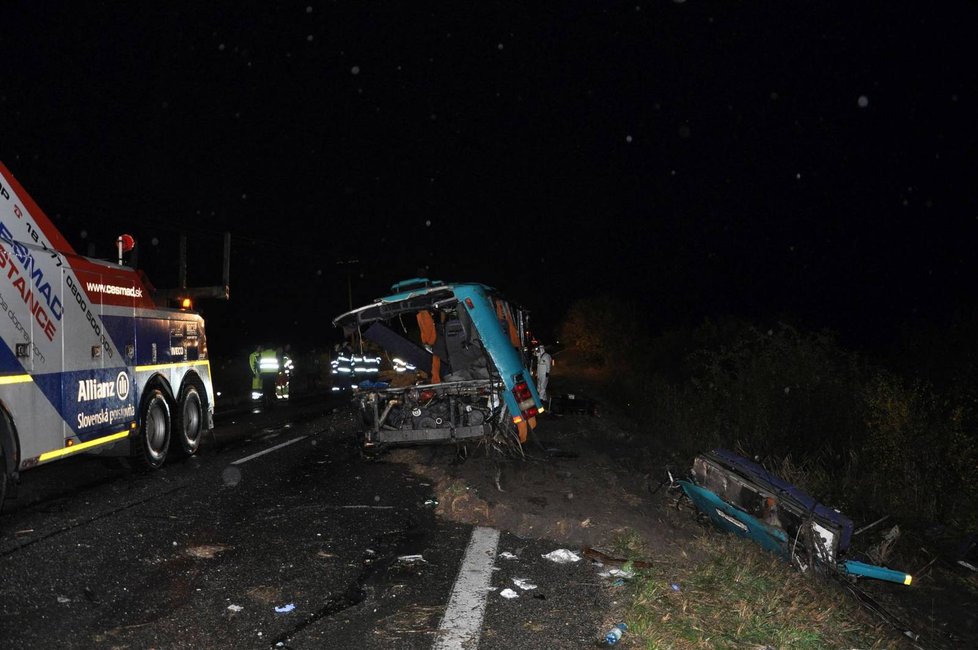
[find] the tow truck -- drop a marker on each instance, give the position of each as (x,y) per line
(93,360)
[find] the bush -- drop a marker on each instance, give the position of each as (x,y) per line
(918,454)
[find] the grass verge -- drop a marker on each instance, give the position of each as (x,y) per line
(736,595)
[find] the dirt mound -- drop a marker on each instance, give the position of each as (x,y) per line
(583,481)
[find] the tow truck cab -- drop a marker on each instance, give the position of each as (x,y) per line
(453,365)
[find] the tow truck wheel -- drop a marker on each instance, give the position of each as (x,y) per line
(153,441)
(3,475)
(188,422)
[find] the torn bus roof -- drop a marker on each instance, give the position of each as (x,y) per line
(742,497)
(406,297)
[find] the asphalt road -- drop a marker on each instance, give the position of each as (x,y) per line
(277,534)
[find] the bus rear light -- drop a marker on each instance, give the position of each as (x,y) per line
(524,399)
(521,391)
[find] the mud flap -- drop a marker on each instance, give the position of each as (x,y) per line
(522,429)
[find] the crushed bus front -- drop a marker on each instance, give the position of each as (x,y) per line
(452,366)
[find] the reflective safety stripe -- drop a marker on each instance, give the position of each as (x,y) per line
(57,453)
(182,364)
(15,379)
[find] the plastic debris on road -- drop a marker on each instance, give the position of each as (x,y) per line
(235,608)
(410,559)
(614,634)
(525,585)
(506,555)
(562,556)
(285,609)
(509,593)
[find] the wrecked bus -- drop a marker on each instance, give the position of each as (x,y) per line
(453,365)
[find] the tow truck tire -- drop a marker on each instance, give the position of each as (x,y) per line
(153,441)
(8,456)
(3,475)
(188,423)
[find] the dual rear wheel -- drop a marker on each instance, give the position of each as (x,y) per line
(162,430)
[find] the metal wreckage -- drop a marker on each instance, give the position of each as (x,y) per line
(458,357)
(742,497)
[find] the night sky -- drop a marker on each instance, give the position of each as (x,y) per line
(805,160)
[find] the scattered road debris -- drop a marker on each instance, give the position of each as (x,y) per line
(206,551)
(613,635)
(285,609)
(508,593)
(601,557)
(506,555)
(868,526)
(561,556)
(881,552)
(235,608)
(410,559)
(619,575)
(572,404)
(523,584)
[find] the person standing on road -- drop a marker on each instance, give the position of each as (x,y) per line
(268,366)
(253,359)
(544,362)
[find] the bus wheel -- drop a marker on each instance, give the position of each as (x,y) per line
(188,422)
(153,441)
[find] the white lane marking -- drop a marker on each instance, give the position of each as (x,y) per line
(270,449)
(461,626)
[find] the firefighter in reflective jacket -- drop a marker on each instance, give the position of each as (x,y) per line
(268,367)
(341,368)
(366,368)
(255,372)
(284,378)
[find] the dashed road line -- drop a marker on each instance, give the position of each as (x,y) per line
(269,450)
(461,626)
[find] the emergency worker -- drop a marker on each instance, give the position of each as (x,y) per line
(341,368)
(253,359)
(544,362)
(366,367)
(268,366)
(284,379)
